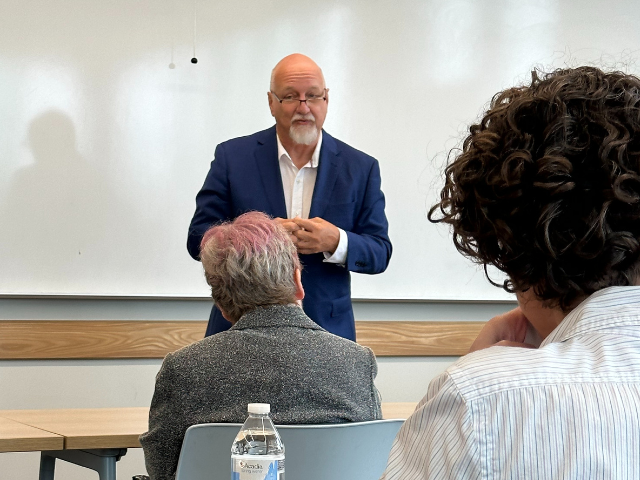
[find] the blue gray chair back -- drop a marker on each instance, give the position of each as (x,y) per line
(343,451)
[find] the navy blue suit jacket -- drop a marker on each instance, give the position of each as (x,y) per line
(245,176)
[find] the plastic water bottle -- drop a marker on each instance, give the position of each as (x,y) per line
(257,452)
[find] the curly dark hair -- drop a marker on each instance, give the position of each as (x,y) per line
(547,185)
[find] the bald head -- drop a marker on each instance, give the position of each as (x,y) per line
(298,101)
(293,67)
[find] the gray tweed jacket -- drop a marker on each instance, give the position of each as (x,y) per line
(273,354)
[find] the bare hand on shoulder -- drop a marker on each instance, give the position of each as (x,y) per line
(316,235)
(507,330)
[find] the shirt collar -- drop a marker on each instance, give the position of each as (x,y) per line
(606,308)
(315,156)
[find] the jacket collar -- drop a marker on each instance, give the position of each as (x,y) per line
(327,174)
(266,158)
(276,316)
(610,307)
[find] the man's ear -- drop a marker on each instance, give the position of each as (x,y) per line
(270,99)
(297,278)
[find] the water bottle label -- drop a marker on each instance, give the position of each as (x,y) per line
(256,469)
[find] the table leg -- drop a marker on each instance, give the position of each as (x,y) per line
(47,466)
(102,460)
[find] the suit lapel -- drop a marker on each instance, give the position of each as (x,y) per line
(268,166)
(328,169)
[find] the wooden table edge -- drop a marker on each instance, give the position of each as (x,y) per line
(32,439)
(128,439)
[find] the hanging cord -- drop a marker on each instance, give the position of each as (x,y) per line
(195,25)
(172,65)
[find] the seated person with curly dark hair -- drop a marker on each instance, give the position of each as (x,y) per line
(273,353)
(546,189)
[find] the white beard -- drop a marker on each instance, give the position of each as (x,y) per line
(303,134)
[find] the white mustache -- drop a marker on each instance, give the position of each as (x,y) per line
(299,116)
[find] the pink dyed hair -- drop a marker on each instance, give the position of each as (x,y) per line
(249,262)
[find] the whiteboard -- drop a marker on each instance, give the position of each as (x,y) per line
(103,146)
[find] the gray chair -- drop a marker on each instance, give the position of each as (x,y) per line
(342,451)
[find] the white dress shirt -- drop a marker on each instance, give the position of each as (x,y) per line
(298,185)
(567,410)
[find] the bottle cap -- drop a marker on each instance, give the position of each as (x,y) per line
(261,408)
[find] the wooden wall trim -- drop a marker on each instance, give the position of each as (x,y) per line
(97,339)
(76,339)
(401,339)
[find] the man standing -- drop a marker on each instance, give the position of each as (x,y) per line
(325,193)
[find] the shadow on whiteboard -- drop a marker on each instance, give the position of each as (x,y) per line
(58,213)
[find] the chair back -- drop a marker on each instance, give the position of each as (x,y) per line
(342,451)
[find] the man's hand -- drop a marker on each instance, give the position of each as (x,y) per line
(290,226)
(508,330)
(316,235)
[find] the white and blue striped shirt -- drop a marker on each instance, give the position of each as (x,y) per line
(567,410)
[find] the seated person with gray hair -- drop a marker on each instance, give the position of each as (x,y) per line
(546,189)
(273,353)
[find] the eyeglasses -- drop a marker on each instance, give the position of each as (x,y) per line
(312,99)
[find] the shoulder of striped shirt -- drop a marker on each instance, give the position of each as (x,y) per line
(499,369)
(505,368)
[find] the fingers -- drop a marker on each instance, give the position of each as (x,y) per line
(513,325)
(289,224)
(291,227)
(510,328)
(303,235)
(305,242)
(306,224)
(313,235)
(313,224)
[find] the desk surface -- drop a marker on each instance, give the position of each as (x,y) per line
(18,437)
(84,428)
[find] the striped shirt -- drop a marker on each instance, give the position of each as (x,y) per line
(567,410)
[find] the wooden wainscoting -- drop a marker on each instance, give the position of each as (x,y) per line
(417,339)
(80,339)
